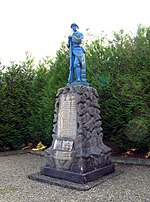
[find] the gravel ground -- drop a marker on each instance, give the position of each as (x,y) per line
(133,185)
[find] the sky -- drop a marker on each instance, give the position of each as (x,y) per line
(40,26)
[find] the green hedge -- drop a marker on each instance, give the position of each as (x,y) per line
(118,68)
(15,93)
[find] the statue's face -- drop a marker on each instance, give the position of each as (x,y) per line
(74,27)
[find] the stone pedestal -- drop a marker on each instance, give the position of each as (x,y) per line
(78,153)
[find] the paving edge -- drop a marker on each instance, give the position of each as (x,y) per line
(15,152)
(130,160)
(114,159)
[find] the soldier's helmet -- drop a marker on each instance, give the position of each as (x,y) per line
(74,24)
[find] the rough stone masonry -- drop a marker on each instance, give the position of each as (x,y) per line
(77,153)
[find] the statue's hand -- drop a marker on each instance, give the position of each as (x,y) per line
(68,45)
(69,37)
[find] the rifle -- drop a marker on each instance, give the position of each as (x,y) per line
(70,79)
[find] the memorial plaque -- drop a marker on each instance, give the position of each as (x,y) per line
(67,145)
(67,124)
(58,144)
(63,155)
(64,145)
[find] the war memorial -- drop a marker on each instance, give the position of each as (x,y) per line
(77,156)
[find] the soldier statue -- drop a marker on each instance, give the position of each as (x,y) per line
(77,58)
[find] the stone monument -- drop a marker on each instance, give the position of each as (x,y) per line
(77,153)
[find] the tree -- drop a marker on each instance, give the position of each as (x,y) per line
(14,100)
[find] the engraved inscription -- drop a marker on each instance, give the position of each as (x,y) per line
(67,145)
(57,144)
(64,145)
(63,155)
(67,123)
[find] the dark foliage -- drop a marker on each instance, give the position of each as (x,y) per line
(118,68)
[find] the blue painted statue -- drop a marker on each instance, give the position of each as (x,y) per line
(77,58)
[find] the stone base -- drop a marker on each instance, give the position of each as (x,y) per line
(78,177)
(77,154)
(72,185)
